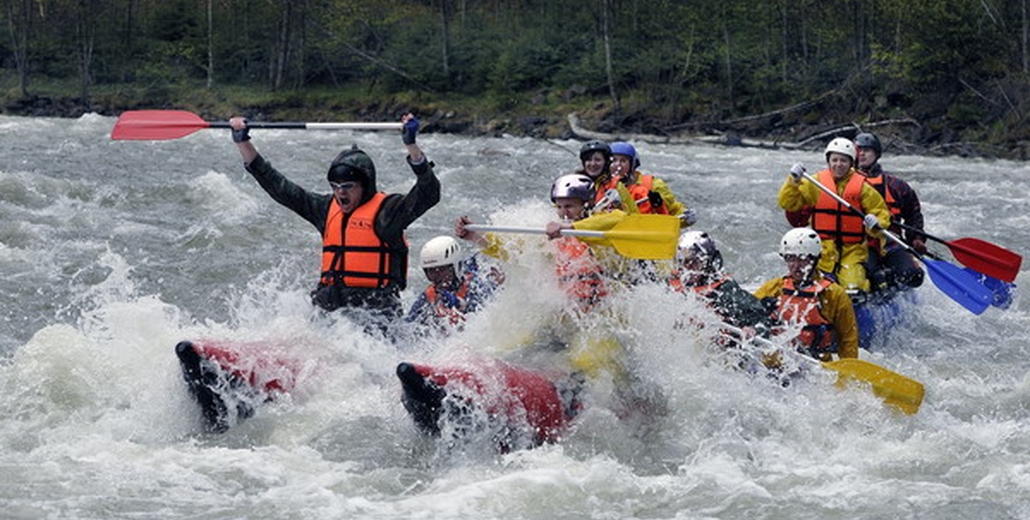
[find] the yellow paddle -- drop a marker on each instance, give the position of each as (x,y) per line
(644,237)
(895,389)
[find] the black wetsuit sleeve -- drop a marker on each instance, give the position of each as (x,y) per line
(741,308)
(908,203)
(312,207)
(399,211)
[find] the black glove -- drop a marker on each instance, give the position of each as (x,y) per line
(409,131)
(655,198)
(242,135)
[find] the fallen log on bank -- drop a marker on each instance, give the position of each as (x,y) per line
(813,142)
(575,124)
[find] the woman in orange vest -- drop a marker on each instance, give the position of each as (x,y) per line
(649,193)
(843,232)
(364,252)
(820,308)
(595,161)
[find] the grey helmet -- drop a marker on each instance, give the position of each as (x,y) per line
(574,185)
(699,244)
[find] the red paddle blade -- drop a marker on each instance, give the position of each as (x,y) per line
(986,258)
(155,125)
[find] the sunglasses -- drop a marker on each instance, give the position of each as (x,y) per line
(337,186)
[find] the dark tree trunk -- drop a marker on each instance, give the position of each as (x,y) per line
(19,22)
(86,32)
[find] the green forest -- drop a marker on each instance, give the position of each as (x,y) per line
(937,76)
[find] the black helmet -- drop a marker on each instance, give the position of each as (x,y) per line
(353,164)
(867,140)
(590,147)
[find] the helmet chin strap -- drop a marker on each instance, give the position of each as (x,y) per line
(809,272)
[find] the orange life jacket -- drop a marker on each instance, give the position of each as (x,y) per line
(579,273)
(354,256)
(880,185)
(832,220)
(702,290)
(640,189)
(602,187)
(441,310)
(802,306)
(707,292)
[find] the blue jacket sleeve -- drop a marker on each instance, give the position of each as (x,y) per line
(418,309)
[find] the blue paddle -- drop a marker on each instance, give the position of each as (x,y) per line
(1000,289)
(952,280)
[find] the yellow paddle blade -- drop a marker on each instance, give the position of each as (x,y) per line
(895,389)
(646,237)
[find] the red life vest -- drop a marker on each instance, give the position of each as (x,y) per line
(579,273)
(640,189)
(802,306)
(353,255)
(832,220)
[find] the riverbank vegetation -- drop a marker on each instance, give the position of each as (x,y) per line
(931,76)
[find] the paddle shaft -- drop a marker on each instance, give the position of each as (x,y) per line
(312,126)
(953,244)
(741,335)
(914,229)
(173,124)
(534,231)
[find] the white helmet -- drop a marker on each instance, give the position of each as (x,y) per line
(442,250)
(841,145)
(697,241)
(801,241)
(699,244)
(574,185)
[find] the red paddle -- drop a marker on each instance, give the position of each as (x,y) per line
(156,125)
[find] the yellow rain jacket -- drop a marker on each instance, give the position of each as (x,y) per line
(835,307)
(846,262)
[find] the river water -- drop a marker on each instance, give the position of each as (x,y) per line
(112,252)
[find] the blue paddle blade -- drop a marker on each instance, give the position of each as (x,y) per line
(1001,291)
(959,285)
